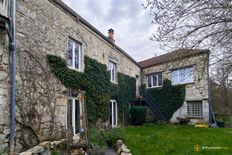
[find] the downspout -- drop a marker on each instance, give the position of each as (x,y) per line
(13,75)
(209,94)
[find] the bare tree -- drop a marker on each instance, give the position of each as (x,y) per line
(194,24)
(222,90)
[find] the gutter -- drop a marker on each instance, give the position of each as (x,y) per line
(83,21)
(209,95)
(13,73)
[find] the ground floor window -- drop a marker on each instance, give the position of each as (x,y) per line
(74,114)
(194,109)
(113,113)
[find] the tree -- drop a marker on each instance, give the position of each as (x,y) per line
(221,89)
(194,24)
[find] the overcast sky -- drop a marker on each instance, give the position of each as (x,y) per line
(130,21)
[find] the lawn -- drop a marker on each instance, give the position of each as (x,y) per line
(153,139)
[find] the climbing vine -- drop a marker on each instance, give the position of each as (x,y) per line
(95,80)
(169,97)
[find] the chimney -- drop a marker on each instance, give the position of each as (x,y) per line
(111,35)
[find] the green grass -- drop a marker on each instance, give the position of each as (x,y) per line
(151,139)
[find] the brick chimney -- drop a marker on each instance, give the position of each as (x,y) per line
(111,35)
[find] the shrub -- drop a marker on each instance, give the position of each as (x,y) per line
(138,114)
(113,135)
(105,138)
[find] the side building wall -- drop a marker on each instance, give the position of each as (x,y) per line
(196,91)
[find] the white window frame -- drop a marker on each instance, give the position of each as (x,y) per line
(195,109)
(73,99)
(80,53)
(177,80)
(113,71)
(151,79)
(114,121)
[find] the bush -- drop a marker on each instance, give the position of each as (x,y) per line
(138,114)
(105,138)
(113,135)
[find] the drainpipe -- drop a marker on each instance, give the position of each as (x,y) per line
(13,75)
(209,93)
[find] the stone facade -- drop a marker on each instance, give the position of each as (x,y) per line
(196,91)
(4,82)
(44,27)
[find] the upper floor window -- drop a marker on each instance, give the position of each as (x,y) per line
(155,80)
(74,54)
(182,76)
(113,71)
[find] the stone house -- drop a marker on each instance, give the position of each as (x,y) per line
(45,107)
(52,28)
(182,67)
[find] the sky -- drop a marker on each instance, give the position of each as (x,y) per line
(130,21)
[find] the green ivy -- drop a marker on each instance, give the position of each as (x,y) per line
(169,97)
(125,93)
(138,114)
(95,80)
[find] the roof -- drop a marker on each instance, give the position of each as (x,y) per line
(174,55)
(83,21)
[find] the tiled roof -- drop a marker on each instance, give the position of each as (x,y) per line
(174,55)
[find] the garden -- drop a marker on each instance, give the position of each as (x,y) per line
(155,139)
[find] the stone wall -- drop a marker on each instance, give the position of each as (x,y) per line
(44,28)
(197,91)
(4,90)
(4,83)
(4,4)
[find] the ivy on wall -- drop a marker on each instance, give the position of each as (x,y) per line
(169,97)
(126,92)
(95,81)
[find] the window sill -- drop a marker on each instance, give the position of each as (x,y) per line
(191,117)
(183,84)
(154,87)
(114,82)
(78,70)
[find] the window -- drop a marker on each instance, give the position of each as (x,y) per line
(155,80)
(74,55)
(113,71)
(75,111)
(113,113)
(73,115)
(194,108)
(182,76)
